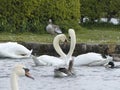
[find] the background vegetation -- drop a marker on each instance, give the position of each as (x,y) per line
(96,9)
(32,15)
(28,18)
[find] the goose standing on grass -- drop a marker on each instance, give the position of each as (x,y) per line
(14,50)
(53,29)
(46,60)
(18,70)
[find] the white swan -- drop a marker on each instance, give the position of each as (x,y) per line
(53,29)
(47,60)
(18,70)
(88,59)
(67,57)
(54,61)
(14,50)
(92,59)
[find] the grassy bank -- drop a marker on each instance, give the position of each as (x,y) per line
(86,34)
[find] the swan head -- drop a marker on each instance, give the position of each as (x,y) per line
(71,32)
(21,70)
(110,65)
(61,38)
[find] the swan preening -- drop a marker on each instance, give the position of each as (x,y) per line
(14,50)
(53,29)
(18,70)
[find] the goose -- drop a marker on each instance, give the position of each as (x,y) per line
(46,60)
(18,70)
(53,29)
(87,59)
(14,50)
(63,72)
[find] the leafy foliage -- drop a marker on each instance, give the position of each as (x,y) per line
(33,15)
(96,9)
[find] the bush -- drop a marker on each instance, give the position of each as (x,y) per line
(32,16)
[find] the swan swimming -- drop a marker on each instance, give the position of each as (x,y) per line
(92,59)
(88,59)
(14,50)
(53,29)
(46,60)
(18,70)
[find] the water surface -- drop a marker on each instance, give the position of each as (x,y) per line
(86,78)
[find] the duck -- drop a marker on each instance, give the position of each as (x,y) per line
(53,29)
(14,50)
(47,60)
(63,71)
(18,70)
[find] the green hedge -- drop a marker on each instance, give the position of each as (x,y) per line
(32,15)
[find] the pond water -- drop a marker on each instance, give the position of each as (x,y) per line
(86,78)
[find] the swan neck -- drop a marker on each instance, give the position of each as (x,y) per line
(14,82)
(72,45)
(58,48)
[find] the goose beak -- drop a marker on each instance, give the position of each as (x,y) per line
(27,74)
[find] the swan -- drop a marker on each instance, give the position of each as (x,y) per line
(63,72)
(14,50)
(92,59)
(46,60)
(88,59)
(53,29)
(67,57)
(18,70)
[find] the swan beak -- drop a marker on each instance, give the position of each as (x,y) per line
(28,75)
(65,42)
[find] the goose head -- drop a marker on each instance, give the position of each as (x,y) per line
(50,21)
(21,70)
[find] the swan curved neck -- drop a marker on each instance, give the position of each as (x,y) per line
(72,45)
(57,47)
(14,82)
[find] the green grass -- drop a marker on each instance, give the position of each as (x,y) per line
(86,34)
